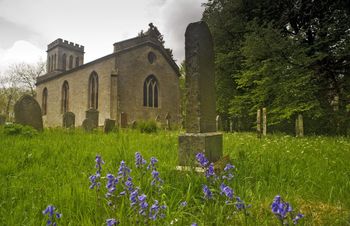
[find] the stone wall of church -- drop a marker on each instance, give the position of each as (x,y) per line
(78,81)
(133,68)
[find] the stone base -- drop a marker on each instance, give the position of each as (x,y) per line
(192,143)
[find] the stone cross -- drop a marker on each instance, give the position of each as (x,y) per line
(201,134)
(28,112)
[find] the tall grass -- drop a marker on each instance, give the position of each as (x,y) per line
(312,173)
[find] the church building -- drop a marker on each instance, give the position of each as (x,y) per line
(139,80)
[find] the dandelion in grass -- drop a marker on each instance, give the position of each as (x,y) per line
(207,193)
(112,222)
(201,159)
(52,215)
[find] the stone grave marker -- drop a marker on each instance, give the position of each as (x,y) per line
(133,124)
(299,126)
(258,123)
(201,134)
(167,119)
(264,122)
(123,120)
(28,112)
(109,125)
(2,120)
(68,120)
(92,114)
(88,125)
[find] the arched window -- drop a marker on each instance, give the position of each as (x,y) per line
(76,61)
(64,62)
(44,102)
(70,62)
(65,97)
(93,91)
(150,92)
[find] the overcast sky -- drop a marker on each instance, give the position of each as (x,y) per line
(27,26)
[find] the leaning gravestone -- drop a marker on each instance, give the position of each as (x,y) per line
(201,134)
(28,112)
(109,125)
(88,125)
(2,120)
(68,120)
(92,114)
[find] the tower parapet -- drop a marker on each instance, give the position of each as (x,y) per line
(66,44)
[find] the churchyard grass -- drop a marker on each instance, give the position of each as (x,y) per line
(311,173)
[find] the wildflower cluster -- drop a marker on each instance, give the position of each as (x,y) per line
(282,210)
(95,179)
(52,215)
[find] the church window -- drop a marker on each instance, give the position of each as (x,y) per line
(65,97)
(64,62)
(70,62)
(151,57)
(93,91)
(76,61)
(44,102)
(150,92)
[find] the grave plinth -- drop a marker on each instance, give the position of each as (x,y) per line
(201,134)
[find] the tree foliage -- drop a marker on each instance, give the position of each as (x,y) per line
(291,56)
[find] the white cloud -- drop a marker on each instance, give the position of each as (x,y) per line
(21,51)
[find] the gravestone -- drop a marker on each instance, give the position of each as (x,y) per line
(68,120)
(123,120)
(201,134)
(299,126)
(264,122)
(258,123)
(28,112)
(167,119)
(231,125)
(92,114)
(218,123)
(133,124)
(109,125)
(88,125)
(2,120)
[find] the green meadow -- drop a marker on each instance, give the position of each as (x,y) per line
(53,167)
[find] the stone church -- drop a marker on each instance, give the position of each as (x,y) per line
(139,80)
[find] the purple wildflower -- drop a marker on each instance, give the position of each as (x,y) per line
(156,179)
(129,185)
(202,160)
(133,197)
(139,160)
(154,210)
(183,204)
(111,222)
(297,218)
(226,190)
(228,171)
(111,184)
(194,224)
(207,192)
(94,179)
(51,214)
(123,170)
(152,163)
(210,171)
(143,204)
(280,208)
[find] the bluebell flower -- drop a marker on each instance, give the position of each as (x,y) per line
(129,185)
(240,205)
(111,184)
(111,222)
(226,190)
(297,218)
(280,208)
(156,179)
(154,210)
(123,170)
(139,160)
(194,224)
(94,179)
(228,167)
(143,204)
(210,171)
(152,163)
(51,214)
(202,160)
(183,204)
(133,197)
(207,192)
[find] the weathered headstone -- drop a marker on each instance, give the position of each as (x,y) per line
(123,120)
(231,125)
(92,114)
(218,123)
(133,124)
(299,126)
(28,112)
(109,125)
(68,120)
(88,125)
(201,134)
(258,123)
(167,118)
(264,122)
(2,120)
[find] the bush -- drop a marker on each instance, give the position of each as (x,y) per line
(17,129)
(147,126)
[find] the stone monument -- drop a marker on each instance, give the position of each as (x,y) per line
(92,114)
(109,125)
(201,134)
(68,120)
(28,112)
